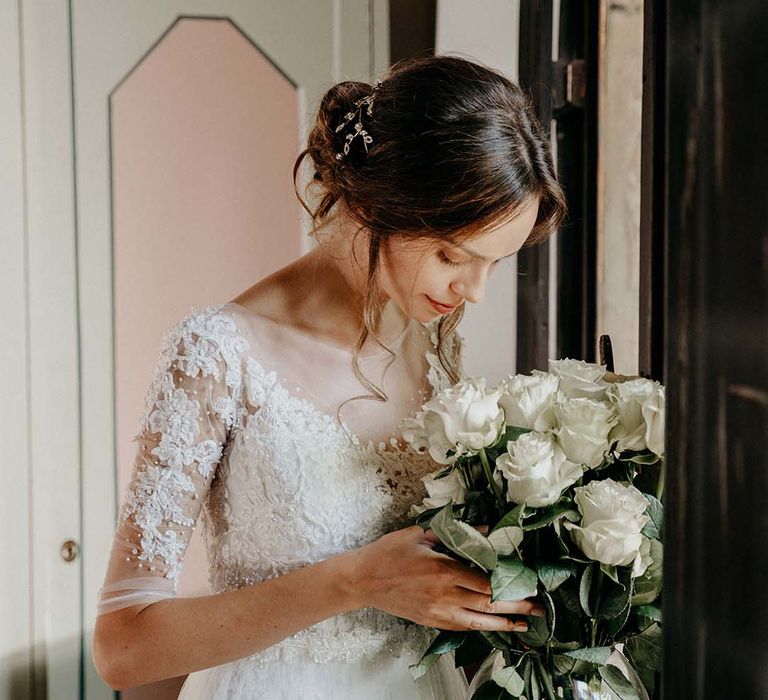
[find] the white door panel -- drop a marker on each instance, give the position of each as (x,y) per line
(94,318)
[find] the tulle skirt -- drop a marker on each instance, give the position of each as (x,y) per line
(383,677)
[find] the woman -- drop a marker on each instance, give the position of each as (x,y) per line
(321,590)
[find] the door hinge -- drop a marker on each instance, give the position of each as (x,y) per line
(569,84)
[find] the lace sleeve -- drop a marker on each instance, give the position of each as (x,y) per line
(190,406)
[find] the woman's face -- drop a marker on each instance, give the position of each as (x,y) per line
(427,278)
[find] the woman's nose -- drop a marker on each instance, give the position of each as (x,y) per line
(472,288)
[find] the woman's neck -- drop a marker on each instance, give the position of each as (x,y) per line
(323,292)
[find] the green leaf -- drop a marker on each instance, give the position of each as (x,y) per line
(425,516)
(537,634)
(618,683)
(551,617)
(610,571)
(445,642)
(463,539)
(614,598)
(646,457)
(648,586)
(498,640)
(553,575)
(512,432)
(645,648)
(541,517)
(506,540)
(569,595)
(616,623)
(655,512)
(651,611)
(585,587)
(510,519)
(509,679)
(565,665)
(512,580)
(596,655)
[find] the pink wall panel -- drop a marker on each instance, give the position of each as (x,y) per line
(204,134)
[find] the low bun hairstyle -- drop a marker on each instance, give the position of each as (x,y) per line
(456,150)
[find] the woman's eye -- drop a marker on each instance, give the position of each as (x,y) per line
(444,258)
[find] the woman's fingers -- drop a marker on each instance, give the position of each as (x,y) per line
(473,620)
(483,603)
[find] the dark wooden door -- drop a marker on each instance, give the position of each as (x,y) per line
(714,223)
(564,94)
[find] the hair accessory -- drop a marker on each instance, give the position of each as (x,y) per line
(359,131)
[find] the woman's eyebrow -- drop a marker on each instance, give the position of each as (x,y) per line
(477,255)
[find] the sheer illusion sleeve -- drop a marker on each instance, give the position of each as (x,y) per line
(190,406)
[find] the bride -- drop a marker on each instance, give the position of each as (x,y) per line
(255,427)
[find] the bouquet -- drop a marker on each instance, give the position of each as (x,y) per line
(560,465)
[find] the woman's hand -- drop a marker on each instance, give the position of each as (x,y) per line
(403,575)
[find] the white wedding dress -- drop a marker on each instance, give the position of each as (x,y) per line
(239,435)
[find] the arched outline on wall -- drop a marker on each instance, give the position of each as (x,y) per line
(110,140)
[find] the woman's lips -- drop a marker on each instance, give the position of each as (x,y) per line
(441,308)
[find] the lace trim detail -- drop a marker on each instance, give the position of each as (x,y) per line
(437,376)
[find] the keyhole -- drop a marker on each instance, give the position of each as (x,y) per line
(69,550)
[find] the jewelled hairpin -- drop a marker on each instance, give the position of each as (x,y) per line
(366,101)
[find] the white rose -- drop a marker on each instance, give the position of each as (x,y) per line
(464,417)
(579,378)
(442,491)
(640,404)
(528,400)
(644,559)
(536,469)
(653,410)
(613,514)
(584,425)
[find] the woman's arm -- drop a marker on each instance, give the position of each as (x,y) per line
(399,573)
(177,636)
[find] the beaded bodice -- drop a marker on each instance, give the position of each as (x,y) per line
(249,447)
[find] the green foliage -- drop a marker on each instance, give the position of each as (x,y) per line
(655,512)
(512,580)
(532,519)
(648,586)
(553,575)
(445,642)
(509,679)
(618,683)
(463,539)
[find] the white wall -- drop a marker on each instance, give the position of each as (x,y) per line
(618,224)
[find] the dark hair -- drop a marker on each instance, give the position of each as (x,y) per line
(456,149)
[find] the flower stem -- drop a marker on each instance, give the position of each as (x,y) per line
(546,680)
(491,481)
(660,485)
